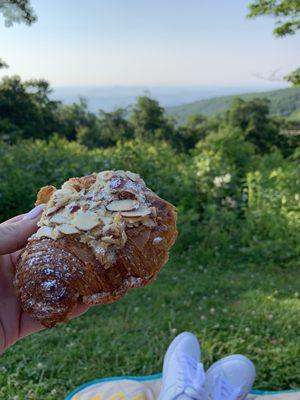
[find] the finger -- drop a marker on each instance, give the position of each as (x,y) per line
(79,310)
(14,256)
(14,219)
(29,325)
(14,236)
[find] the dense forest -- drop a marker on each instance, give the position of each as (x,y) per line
(28,112)
(241,164)
(282,102)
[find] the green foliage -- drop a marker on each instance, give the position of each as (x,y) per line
(3,64)
(246,199)
(25,109)
(147,118)
(294,77)
(28,165)
(287,13)
(195,129)
(106,130)
(289,10)
(273,209)
(16,11)
(149,121)
(72,119)
(252,118)
(28,111)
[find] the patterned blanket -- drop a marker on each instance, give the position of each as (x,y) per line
(148,388)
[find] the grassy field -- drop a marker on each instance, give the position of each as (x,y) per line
(232,305)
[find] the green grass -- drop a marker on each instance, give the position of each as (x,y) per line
(232,306)
(284,102)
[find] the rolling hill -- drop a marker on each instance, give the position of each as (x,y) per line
(285,102)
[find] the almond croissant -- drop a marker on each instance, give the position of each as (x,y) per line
(98,236)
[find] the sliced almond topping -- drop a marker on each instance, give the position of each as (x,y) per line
(106,175)
(60,219)
(106,219)
(140,212)
(132,176)
(123,205)
(63,196)
(99,207)
(85,220)
(46,231)
(67,229)
(50,210)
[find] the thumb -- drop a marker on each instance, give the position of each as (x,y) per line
(13,236)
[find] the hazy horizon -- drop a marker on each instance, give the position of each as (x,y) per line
(112,97)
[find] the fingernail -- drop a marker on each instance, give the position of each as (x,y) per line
(34,212)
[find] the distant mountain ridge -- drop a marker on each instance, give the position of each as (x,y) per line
(284,102)
(109,98)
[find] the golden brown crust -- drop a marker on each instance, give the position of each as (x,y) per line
(44,195)
(53,275)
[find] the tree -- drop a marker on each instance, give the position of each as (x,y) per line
(26,109)
(289,10)
(189,135)
(253,119)
(106,130)
(3,64)
(294,77)
(147,118)
(16,11)
(150,123)
(71,118)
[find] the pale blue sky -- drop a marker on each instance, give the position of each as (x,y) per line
(146,42)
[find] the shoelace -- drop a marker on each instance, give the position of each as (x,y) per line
(191,377)
(225,391)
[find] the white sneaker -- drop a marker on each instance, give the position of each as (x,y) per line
(183,374)
(229,379)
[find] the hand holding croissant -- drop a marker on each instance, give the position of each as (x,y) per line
(14,322)
(99,236)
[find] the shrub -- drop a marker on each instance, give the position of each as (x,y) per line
(28,165)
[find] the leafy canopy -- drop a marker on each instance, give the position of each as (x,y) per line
(17,11)
(253,119)
(105,130)
(287,13)
(3,64)
(294,77)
